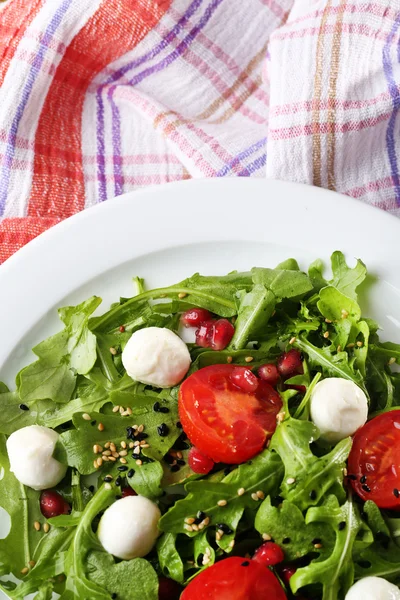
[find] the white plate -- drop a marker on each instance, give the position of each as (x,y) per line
(169,232)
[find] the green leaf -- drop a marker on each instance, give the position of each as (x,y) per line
(288,529)
(332,302)
(255,310)
(336,571)
(130,579)
(263,473)
(313,476)
(345,279)
(170,561)
(12,417)
(147,480)
(282,283)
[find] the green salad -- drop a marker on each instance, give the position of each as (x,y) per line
(259,460)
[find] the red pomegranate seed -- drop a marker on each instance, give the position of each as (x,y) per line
(245,379)
(204,334)
(128,491)
(122,329)
(198,462)
(168,589)
(269,373)
(286,573)
(215,334)
(52,504)
(194,317)
(269,554)
(290,364)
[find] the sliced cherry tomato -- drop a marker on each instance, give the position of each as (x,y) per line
(374,461)
(235,578)
(224,422)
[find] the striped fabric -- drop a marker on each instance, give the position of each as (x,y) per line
(101,97)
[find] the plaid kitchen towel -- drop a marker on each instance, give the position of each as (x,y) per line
(100,97)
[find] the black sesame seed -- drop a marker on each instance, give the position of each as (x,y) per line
(352,477)
(93,423)
(181,462)
(179,425)
(363,479)
(108,478)
(227,530)
(130,433)
(396,493)
(169,459)
(146,459)
(245,563)
(342,525)
(24,407)
(131,472)
(286,540)
(91,488)
(163,430)
(201,515)
(164,409)
(366,488)
(156,406)
(175,468)
(316,541)
(122,468)
(180,444)
(142,436)
(313,494)
(118,481)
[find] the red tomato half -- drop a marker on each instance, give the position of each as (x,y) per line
(375,461)
(235,578)
(226,423)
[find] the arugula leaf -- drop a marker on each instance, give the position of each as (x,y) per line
(255,310)
(147,479)
(283,283)
(334,572)
(170,561)
(131,579)
(313,476)
(263,473)
(70,351)
(345,279)
(287,527)
(12,416)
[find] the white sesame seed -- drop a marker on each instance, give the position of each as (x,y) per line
(222,502)
(24,571)
(280,416)
(106,453)
(201,526)
(123,460)
(123,452)
(218,536)
(115,409)
(206,559)
(229,359)
(208,551)
(392,361)
(326,334)
(129,410)
(113,351)
(32,563)
(317,546)
(290,480)
(95,449)
(136,443)
(145,445)
(96,466)
(131,444)
(140,428)
(292,340)
(241,491)
(328,321)
(182,295)
(115,454)
(107,486)
(112,458)
(195,527)
(107,444)
(112,447)
(345,313)
(46,528)
(260,494)
(359,344)
(86,417)
(105,458)
(37,525)
(139,462)
(266,537)
(189,520)
(99,461)
(339,348)
(255,497)
(123,444)
(345,472)
(188,527)
(231,543)
(206,521)
(121,409)
(100,427)
(179,455)
(249,359)
(136,450)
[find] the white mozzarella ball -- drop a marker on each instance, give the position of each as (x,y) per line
(30,451)
(338,408)
(373,588)
(156,356)
(129,527)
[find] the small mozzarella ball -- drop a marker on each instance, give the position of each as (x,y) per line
(30,451)
(338,408)
(129,527)
(373,588)
(156,356)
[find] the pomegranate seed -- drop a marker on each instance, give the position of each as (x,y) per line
(52,504)
(269,373)
(204,334)
(128,491)
(223,333)
(245,379)
(289,364)
(194,317)
(198,462)
(286,573)
(168,589)
(269,554)
(122,329)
